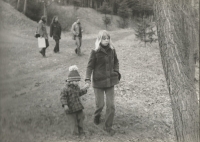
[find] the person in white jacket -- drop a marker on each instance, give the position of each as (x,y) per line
(43,33)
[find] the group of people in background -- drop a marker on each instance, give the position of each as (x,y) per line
(102,72)
(55,32)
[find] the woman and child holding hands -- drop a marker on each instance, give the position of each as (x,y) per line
(103,66)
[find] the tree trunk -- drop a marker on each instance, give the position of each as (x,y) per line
(65,2)
(95,3)
(106,23)
(45,10)
(18,4)
(175,27)
(25,6)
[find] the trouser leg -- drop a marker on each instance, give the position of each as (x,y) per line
(78,44)
(73,123)
(110,107)
(56,48)
(47,43)
(99,100)
(81,117)
(42,51)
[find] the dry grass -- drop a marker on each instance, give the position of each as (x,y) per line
(31,109)
(30,86)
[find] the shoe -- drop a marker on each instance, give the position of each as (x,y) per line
(97,120)
(81,133)
(110,131)
(42,53)
(75,133)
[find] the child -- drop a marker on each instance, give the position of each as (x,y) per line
(71,102)
(103,65)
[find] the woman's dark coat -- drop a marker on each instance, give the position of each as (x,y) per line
(55,30)
(104,65)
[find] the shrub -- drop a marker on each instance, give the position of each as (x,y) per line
(145,30)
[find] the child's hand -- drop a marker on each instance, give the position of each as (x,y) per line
(87,86)
(65,107)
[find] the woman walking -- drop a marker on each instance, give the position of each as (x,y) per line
(103,64)
(43,33)
(55,31)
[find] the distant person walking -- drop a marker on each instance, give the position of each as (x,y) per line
(77,35)
(103,66)
(55,31)
(43,33)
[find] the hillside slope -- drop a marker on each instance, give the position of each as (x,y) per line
(13,20)
(91,20)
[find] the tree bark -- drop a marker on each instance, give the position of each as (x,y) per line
(25,6)
(18,4)
(175,33)
(45,10)
(65,2)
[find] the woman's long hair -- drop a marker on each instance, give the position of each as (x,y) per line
(53,20)
(99,38)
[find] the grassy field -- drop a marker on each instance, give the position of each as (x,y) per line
(30,88)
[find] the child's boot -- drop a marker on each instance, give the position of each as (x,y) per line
(110,131)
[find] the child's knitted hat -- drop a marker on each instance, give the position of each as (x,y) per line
(73,74)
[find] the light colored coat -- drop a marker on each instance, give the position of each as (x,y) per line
(42,29)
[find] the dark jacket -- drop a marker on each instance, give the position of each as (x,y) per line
(55,30)
(104,65)
(70,97)
(42,29)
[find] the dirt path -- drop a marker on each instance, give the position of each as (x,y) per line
(30,86)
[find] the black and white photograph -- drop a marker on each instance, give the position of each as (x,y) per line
(99,71)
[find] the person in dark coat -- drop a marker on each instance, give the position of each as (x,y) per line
(77,33)
(103,65)
(42,31)
(70,100)
(55,31)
